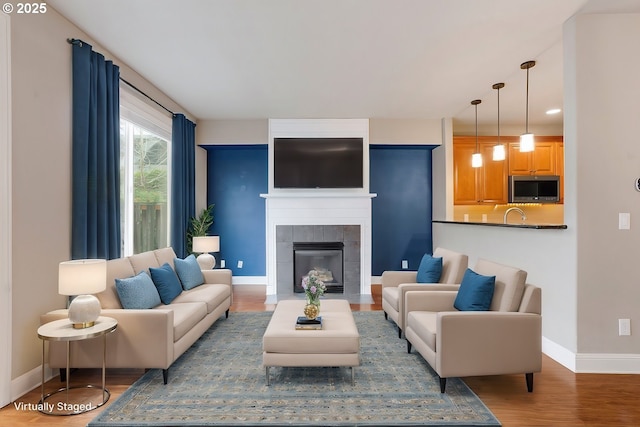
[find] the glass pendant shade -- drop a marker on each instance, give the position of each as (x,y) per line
(527,143)
(476,157)
(499,152)
(476,160)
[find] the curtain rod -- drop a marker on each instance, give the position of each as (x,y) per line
(80,43)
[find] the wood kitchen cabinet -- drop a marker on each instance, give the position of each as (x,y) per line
(484,185)
(489,184)
(541,161)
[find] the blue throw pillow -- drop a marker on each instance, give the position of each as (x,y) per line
(189,272)
(476,292)
(166,282)
(430,269)
(137,292)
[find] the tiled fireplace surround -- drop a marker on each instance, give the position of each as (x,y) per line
(286,235)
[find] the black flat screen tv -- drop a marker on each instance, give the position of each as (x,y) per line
(318,162)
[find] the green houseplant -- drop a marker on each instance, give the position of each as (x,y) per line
(199,225)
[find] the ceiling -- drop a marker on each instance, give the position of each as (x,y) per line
(416,59)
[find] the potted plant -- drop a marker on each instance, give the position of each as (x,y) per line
(198,226)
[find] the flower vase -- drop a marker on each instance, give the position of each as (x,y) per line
(312,309)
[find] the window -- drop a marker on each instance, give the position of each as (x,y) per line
(145,166)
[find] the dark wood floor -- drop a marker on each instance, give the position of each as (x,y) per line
(560,398)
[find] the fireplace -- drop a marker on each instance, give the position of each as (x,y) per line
(325,258)
(318,214)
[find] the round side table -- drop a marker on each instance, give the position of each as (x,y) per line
(63,330)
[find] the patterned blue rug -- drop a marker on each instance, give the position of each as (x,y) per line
(220,381)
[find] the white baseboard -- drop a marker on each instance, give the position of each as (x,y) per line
(608,363)
(27,382)
(560,354)
(592,363)
(249,280)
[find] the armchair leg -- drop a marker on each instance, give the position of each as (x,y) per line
(408,347)
(165,376)
(386,316)
(443,384)
(399,333)
(529,378)
(226,314)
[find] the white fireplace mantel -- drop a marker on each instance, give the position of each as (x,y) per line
(319,208)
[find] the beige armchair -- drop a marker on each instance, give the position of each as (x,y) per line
(395,284)
(507,339)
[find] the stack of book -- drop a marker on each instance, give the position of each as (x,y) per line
(304,323)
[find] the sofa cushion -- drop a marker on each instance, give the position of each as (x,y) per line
(144,260)
(475,293)
(137,292)
(391,295)
(186,317)
(165,255)
(119,268)
(424,324)
(454,264)
(212,295)
(429,270)
(509,288)
(189,272)
(167,282)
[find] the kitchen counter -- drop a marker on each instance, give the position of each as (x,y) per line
(510,225)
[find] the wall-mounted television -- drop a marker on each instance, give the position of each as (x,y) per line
(318,162)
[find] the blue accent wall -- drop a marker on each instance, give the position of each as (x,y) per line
(402,211)
(236,176)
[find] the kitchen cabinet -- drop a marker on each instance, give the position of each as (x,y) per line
(484,185)
(541,161)
(489,184)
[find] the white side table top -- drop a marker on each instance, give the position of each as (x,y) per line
(63,330)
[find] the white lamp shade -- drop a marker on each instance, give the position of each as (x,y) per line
(205,244)
(476,160)
(83,276)
(527,142)
(499,152)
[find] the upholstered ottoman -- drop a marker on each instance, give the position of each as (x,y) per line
(336,344)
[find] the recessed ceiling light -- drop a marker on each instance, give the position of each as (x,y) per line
(553,111)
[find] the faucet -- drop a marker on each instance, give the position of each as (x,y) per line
(506,213)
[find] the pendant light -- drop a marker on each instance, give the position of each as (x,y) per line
(498,149)
(527,142)
(476,158)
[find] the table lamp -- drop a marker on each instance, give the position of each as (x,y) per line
(83,277)
(203,245)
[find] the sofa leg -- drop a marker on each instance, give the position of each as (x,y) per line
(226,313)
(408,347)
(399,333)
(443,384)
(165,375)
(63,375)
(529,378)
(386,317)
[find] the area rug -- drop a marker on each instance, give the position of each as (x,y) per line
(220,381)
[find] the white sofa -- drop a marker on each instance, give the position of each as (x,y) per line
(395,284)
(148,338)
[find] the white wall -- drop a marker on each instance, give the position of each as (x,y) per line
(5,209)
(381,131)
(607,162)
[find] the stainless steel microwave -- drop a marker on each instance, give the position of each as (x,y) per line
(534,188)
